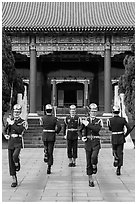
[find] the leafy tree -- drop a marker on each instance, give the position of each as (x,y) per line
(127,84)
(9,75)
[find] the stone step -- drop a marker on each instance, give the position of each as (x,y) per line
(37,145)
(33,136)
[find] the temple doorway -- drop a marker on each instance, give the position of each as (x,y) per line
(70,93)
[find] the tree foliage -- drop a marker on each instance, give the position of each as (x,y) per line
(127,84)
(9,75)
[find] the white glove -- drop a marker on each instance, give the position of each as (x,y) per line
(25,124)
(84,139)
(10,122)
(7,137)
(41,121)
(65,137)
(78,138)
(85,122)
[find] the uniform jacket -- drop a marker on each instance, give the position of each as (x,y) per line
(17,128)
(50,122)
(116,124)
(93,129)
(71,123)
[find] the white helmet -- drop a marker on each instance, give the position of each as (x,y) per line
(48,107)
(93,107)
(72,107)
(17,107)
(116,109)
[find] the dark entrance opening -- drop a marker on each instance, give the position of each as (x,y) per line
(70,97)
(69,93)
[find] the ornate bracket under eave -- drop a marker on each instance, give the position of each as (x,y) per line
(91,44)
(120,48)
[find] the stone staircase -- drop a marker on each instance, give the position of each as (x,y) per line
(33,135)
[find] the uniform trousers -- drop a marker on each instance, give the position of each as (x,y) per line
(49,147)
(13,155)
(92,158)
(118,150)
(72,148)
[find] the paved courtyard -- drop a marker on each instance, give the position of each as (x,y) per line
(68,184)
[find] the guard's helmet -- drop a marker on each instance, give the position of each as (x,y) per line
(116,109)
(48,107)
(72,107)
(17,107)
(93,107)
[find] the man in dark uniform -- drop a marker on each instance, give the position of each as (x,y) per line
(91,126)
(14,130)
(51,126)
(117,124)
(71,126)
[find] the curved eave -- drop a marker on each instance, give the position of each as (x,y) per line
(69,29)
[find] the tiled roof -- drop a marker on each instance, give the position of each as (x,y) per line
(66,15)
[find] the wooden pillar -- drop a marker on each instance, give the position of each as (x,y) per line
(33,75)
(54,96)
(85,93)
(107,77)
(116,96)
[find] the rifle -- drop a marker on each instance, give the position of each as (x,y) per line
(132,128)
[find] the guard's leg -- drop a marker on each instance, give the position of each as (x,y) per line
(89,168)
(94,158)
(75,151)
(45,151)
(116,159)
(16,158)
(69,152)
(89,164)
(12,168)
(50,156)
(120,158)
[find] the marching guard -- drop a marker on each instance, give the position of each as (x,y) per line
(13,132)
(51,126)
(90,135)
(71,128)
(117,124)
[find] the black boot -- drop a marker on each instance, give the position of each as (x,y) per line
(94,169)
(17,165)
(115,164)
(14,183)
(118,171)
(49,170)
(91,184)
(45,158)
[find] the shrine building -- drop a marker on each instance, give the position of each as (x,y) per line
(70,52)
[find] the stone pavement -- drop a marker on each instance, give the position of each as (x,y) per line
(69,184)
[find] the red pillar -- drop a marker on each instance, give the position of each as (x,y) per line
(33,74)
(107,77)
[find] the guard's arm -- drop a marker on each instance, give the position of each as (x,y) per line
(58,126)
(129,129)
(19,127)
(95,127)
(108,124)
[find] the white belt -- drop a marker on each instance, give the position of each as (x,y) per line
(93,137)
(115,133)
(16,135)
(72,129)
(48,130)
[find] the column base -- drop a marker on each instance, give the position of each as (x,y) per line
(107,114)
(33,115)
